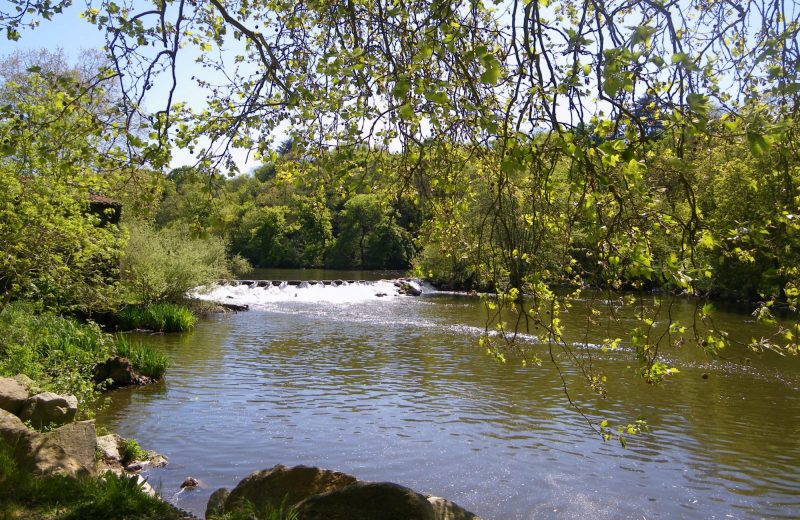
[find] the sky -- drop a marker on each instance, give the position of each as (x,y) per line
(74,35)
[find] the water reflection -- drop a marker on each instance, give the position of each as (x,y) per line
(399,390)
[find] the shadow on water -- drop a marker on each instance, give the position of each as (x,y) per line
(398,389)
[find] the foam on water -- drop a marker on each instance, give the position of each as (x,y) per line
(262,295)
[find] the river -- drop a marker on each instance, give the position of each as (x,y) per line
(396,388)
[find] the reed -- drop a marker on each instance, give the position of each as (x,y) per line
(145,359)
(161,317)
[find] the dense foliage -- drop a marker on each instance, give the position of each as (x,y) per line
(349,216)
(58,353)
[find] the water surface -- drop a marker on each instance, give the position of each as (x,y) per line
(396,388)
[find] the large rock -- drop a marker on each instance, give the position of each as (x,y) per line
(13,395)
(78,440)
(216,502)
(270,488)
(44,454)
(49,409)
(367,501)
(444,509)
(119,371)
(12,429)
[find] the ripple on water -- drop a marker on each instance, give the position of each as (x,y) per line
(400,391)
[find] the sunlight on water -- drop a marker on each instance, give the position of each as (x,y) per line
(396,388)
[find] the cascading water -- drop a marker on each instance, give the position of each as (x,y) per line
(262,293)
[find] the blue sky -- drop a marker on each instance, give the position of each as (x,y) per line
(71,33)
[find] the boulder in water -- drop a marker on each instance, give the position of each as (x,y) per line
(330,495)
(444,509)
(216,502)
(190,483)
(367,501)
(120,372)
(281,484)
(409,289)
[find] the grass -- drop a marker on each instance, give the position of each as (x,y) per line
(245,510)
(161,317)
(131,451)
(108,497)
(58,353)
(145,359)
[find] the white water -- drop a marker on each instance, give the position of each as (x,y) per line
(307,292)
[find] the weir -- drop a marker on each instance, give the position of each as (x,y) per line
(265,292)
(398,282)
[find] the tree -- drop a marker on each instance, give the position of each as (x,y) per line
(512,87)
(54,157)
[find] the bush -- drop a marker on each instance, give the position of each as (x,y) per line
(163,265)
(145,359)
(162,317)
(58,353)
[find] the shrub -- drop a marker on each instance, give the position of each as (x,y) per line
(58,353)
(162,317)
(163,265)
(145,359)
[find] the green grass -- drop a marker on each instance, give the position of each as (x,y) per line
(108,497)
(145,359)
(245,510)
(162,317)
(131,451)
(58,353)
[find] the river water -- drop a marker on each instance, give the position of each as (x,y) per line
(396,388)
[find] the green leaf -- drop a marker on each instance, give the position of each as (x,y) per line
(758,145)
(491,73)
(401,88)
(438,97)
(698,103)
(406,111)
(642,33)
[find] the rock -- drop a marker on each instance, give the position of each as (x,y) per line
(140,480)
(409,289)
(443,509)
(367,501)
(48,409)
(27,382)
(216,502)
(190,483)
(146,487)
(13,395)
(270,488)
(156,460)
(55,453)
(120,371)
(134,467)
(78,440)
(233,307)
(12,429)
(108,446)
